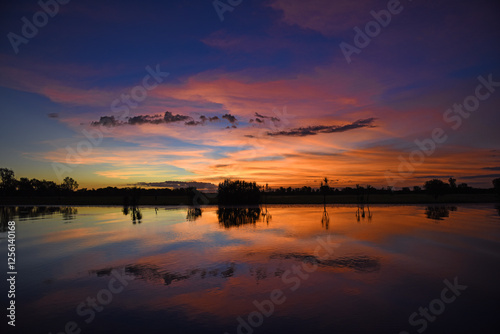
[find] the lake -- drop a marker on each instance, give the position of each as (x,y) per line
(280,269)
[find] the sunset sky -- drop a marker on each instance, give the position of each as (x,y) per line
(265,95)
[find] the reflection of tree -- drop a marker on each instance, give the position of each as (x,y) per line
(498,208)
(361,214)
(5,218)
(362,201)
(361,263)
(325,219)
(135,213)
(439,212)
(69,213)
(8,213)
(155,274)
(230,217)
(266,215)
(193,214)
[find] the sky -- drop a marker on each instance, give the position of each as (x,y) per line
(281,92)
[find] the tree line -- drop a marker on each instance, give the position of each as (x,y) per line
(229,191)
(9,185)
(434,186)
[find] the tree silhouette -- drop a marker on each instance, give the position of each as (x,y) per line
(496,185)
(238,192)
(8,184)
(453,183)
(324,188)
(436,187)
(69,184)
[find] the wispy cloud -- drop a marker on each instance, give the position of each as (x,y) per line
(314,130)
(202,186)
(491,168)
(168,117)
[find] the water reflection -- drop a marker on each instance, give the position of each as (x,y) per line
(69,213)
(193,214)
(439,212)
(201,279)
(8,213)
(325,219)
(361,263)
(135,213)
(155,274)
(234,217)
(266,215)
(361,214)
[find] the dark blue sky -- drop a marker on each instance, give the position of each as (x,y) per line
(279,59)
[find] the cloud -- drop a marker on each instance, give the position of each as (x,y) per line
(473,177)
(491,168)
(109,121)
(202,186)
(324,16)
(313,130)
(203,120)
(230,118)
(53,115)
(142,119)
(261,119)
(168,117)
(274,119)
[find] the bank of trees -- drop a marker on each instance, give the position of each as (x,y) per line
(496,185)
(10,186)
(230,192)
(238,192)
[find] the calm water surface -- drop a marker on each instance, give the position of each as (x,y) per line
(290,269)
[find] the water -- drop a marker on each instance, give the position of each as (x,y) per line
(179,270)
